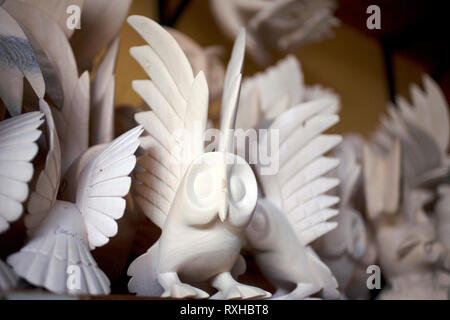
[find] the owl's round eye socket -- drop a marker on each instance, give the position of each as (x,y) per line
(237,189)
(202,190)
(259,221)
(203,184)
(242,192)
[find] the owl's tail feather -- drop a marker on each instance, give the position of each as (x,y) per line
(324,275)
(60,263)
(144,275)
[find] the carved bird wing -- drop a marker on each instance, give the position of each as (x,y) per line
(423,128)
(348,171)
(347,236)
(18,147)
(298,187)
(177,122)
(17,60)
(268,94)
(231,91)
(62,84)
(52,49)
(103,184)
(44,196)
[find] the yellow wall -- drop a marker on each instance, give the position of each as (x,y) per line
(350,63)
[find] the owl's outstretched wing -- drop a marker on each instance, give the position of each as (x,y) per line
(103,184)
(44,197)
(423,129)
(293,177)
(18,147)
(17,60)
(349,170)
(276,89)
(268,94)
(102,98)
(350,224)
(177,122)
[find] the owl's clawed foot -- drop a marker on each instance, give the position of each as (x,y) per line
(183,290)
(174,288)
(301,292)
(231,289)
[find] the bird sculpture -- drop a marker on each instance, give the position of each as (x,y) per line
(202,201)
(61,233)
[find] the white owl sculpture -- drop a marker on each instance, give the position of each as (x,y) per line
(18,147)
(202,201)
(409,252)
(293,209)
(61,233)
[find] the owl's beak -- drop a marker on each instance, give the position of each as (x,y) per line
(223,201)
(223,205)
(223,213)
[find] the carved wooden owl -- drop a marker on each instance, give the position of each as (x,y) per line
(202,201)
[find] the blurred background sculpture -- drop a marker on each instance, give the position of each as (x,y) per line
(349,249)
(276,25)
(411,143)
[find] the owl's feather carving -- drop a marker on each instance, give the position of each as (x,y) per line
(293,209)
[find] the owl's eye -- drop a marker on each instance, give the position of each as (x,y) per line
(203,189)
(203,184)
(242,193)
(237,189)
(261,231)
(259,221)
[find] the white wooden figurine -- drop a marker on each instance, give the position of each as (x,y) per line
(412,252)
(202,201)
(61,234)
(293,209)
